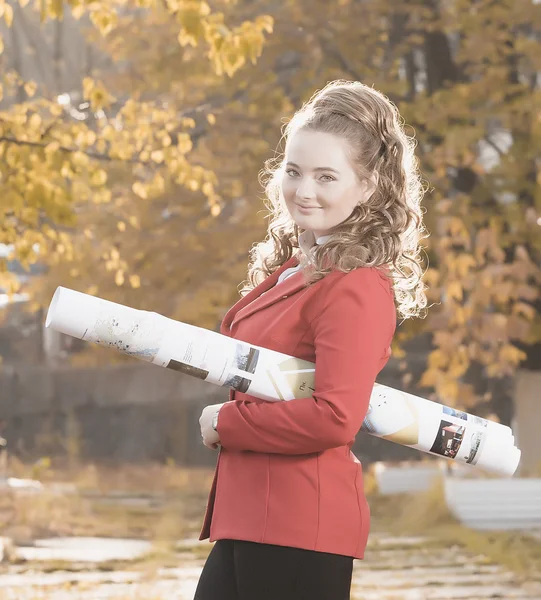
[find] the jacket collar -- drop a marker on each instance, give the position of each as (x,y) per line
(267,292)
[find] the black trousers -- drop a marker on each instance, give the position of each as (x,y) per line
(239,570)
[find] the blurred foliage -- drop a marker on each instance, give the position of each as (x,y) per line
(153,199)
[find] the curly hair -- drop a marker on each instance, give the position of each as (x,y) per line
(385,231)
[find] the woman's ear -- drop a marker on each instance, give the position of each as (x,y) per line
(370,185)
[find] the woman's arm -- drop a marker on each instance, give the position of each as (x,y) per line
(352,332)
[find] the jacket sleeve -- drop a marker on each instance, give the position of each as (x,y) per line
(352,332)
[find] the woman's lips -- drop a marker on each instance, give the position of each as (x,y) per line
(306,208)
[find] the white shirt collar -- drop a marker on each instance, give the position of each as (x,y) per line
(308,240)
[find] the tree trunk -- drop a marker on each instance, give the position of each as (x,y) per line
(527,420)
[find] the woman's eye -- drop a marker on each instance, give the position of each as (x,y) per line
(292,172)
(327,178)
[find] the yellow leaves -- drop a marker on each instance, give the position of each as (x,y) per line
(80,159)
(191,16)
(445,368)
(157,156)
(438,359)
(455,290)
(459,316)
(139,190)
(86,138)
(456,226)
(184,143)
(459,363)
(448,391)
(55,109)
(265,23)
(499,321)
(97,95)
(186,39)
(99,177)
(208,189)
(430,378)
(102,196)
(119,277)
(511,354)
(34,122)
(135,281)
(66,170)
(129,111)
(30,88)
(60,177)
(464,263)
(6,12)
(121,150)
(157,185)
(12,157)
(133,221)
(193,185)
(230,49)
(187,122)
(104,19)
(526,310)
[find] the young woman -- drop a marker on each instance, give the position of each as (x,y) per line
(287,508)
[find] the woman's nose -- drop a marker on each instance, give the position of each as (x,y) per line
(306,189)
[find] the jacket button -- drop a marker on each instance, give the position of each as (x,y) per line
(284,297)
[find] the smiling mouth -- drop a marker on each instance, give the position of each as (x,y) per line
(307,207)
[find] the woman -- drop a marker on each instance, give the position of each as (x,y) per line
(341,257)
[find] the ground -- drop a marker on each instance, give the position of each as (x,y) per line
(65,546)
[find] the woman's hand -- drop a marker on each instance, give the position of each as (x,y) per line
(209,435)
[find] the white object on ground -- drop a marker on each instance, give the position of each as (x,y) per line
(85,549)
(496,504)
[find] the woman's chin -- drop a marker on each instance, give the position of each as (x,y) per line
(304,221)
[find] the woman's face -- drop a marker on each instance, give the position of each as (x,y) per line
(319,185)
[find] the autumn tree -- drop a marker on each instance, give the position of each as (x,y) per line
(64,164)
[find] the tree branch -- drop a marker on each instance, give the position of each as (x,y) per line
(95,155)
(494,146)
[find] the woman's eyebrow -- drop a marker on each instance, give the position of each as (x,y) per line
(291,164)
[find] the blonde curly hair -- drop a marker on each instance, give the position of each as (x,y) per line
(383,232)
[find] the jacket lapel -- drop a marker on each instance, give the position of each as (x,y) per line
(265,294)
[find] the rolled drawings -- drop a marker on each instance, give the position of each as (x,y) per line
(399,417)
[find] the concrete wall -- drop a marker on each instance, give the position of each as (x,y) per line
(133,412)
(120,413)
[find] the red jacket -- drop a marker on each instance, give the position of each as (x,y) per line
(285,473)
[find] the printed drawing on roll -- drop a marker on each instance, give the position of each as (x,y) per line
(272,376)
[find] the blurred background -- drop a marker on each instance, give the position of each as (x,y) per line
(132,134)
